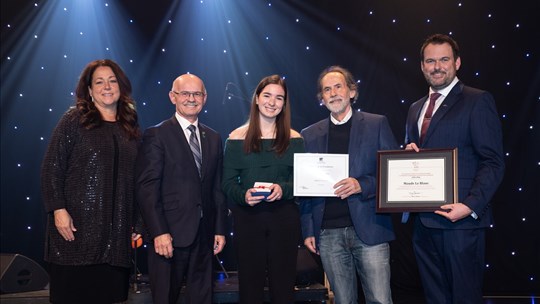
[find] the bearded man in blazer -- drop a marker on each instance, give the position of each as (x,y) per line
(351,238)
(449,244)
(182,206)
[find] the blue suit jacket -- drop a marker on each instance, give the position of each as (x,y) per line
(369,133)
(467,119)
(169,191)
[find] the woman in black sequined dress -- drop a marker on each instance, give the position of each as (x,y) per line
(87,187)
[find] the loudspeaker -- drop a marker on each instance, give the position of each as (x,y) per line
(20,274)
(308,268)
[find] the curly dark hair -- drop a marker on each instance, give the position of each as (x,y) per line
(126,113)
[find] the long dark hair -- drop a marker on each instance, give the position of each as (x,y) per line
(252,142)
(126,113)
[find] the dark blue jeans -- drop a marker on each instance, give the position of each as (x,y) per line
(344,255)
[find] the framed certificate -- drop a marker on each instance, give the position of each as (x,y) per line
(416,181)
(315,174)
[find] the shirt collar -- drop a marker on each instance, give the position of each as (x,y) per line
(345,119)
(184,123)
(444,92)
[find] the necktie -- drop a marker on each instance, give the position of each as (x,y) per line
(195,148)
(427,117)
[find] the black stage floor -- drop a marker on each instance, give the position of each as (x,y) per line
(144,297)
(226,291)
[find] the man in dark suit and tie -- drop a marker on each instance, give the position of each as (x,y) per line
(350,237)
(449,244)
(178,189)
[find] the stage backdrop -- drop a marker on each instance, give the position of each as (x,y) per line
(231,45)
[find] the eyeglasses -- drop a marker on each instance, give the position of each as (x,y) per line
(187,94)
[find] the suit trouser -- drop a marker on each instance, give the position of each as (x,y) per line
(194,263)
(267,244)
(451,263)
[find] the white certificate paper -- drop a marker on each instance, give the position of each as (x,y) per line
(315,174)
(416,180)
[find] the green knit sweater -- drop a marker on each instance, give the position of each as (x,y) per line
(241,171)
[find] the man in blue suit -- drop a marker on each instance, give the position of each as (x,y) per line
(449,244)
(180,198)
(350,237)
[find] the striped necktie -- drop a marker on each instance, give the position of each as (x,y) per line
(195,148)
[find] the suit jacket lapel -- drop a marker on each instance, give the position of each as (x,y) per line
(355,138)
(204,147)
(181,140)
(450,100)
(357,126)
(418,110)
(322,136)
(178,132)
(415,110)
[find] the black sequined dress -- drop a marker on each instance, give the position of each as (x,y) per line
(90,173)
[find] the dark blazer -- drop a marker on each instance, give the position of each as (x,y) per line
(169,191)
(369,133)
(467,119)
